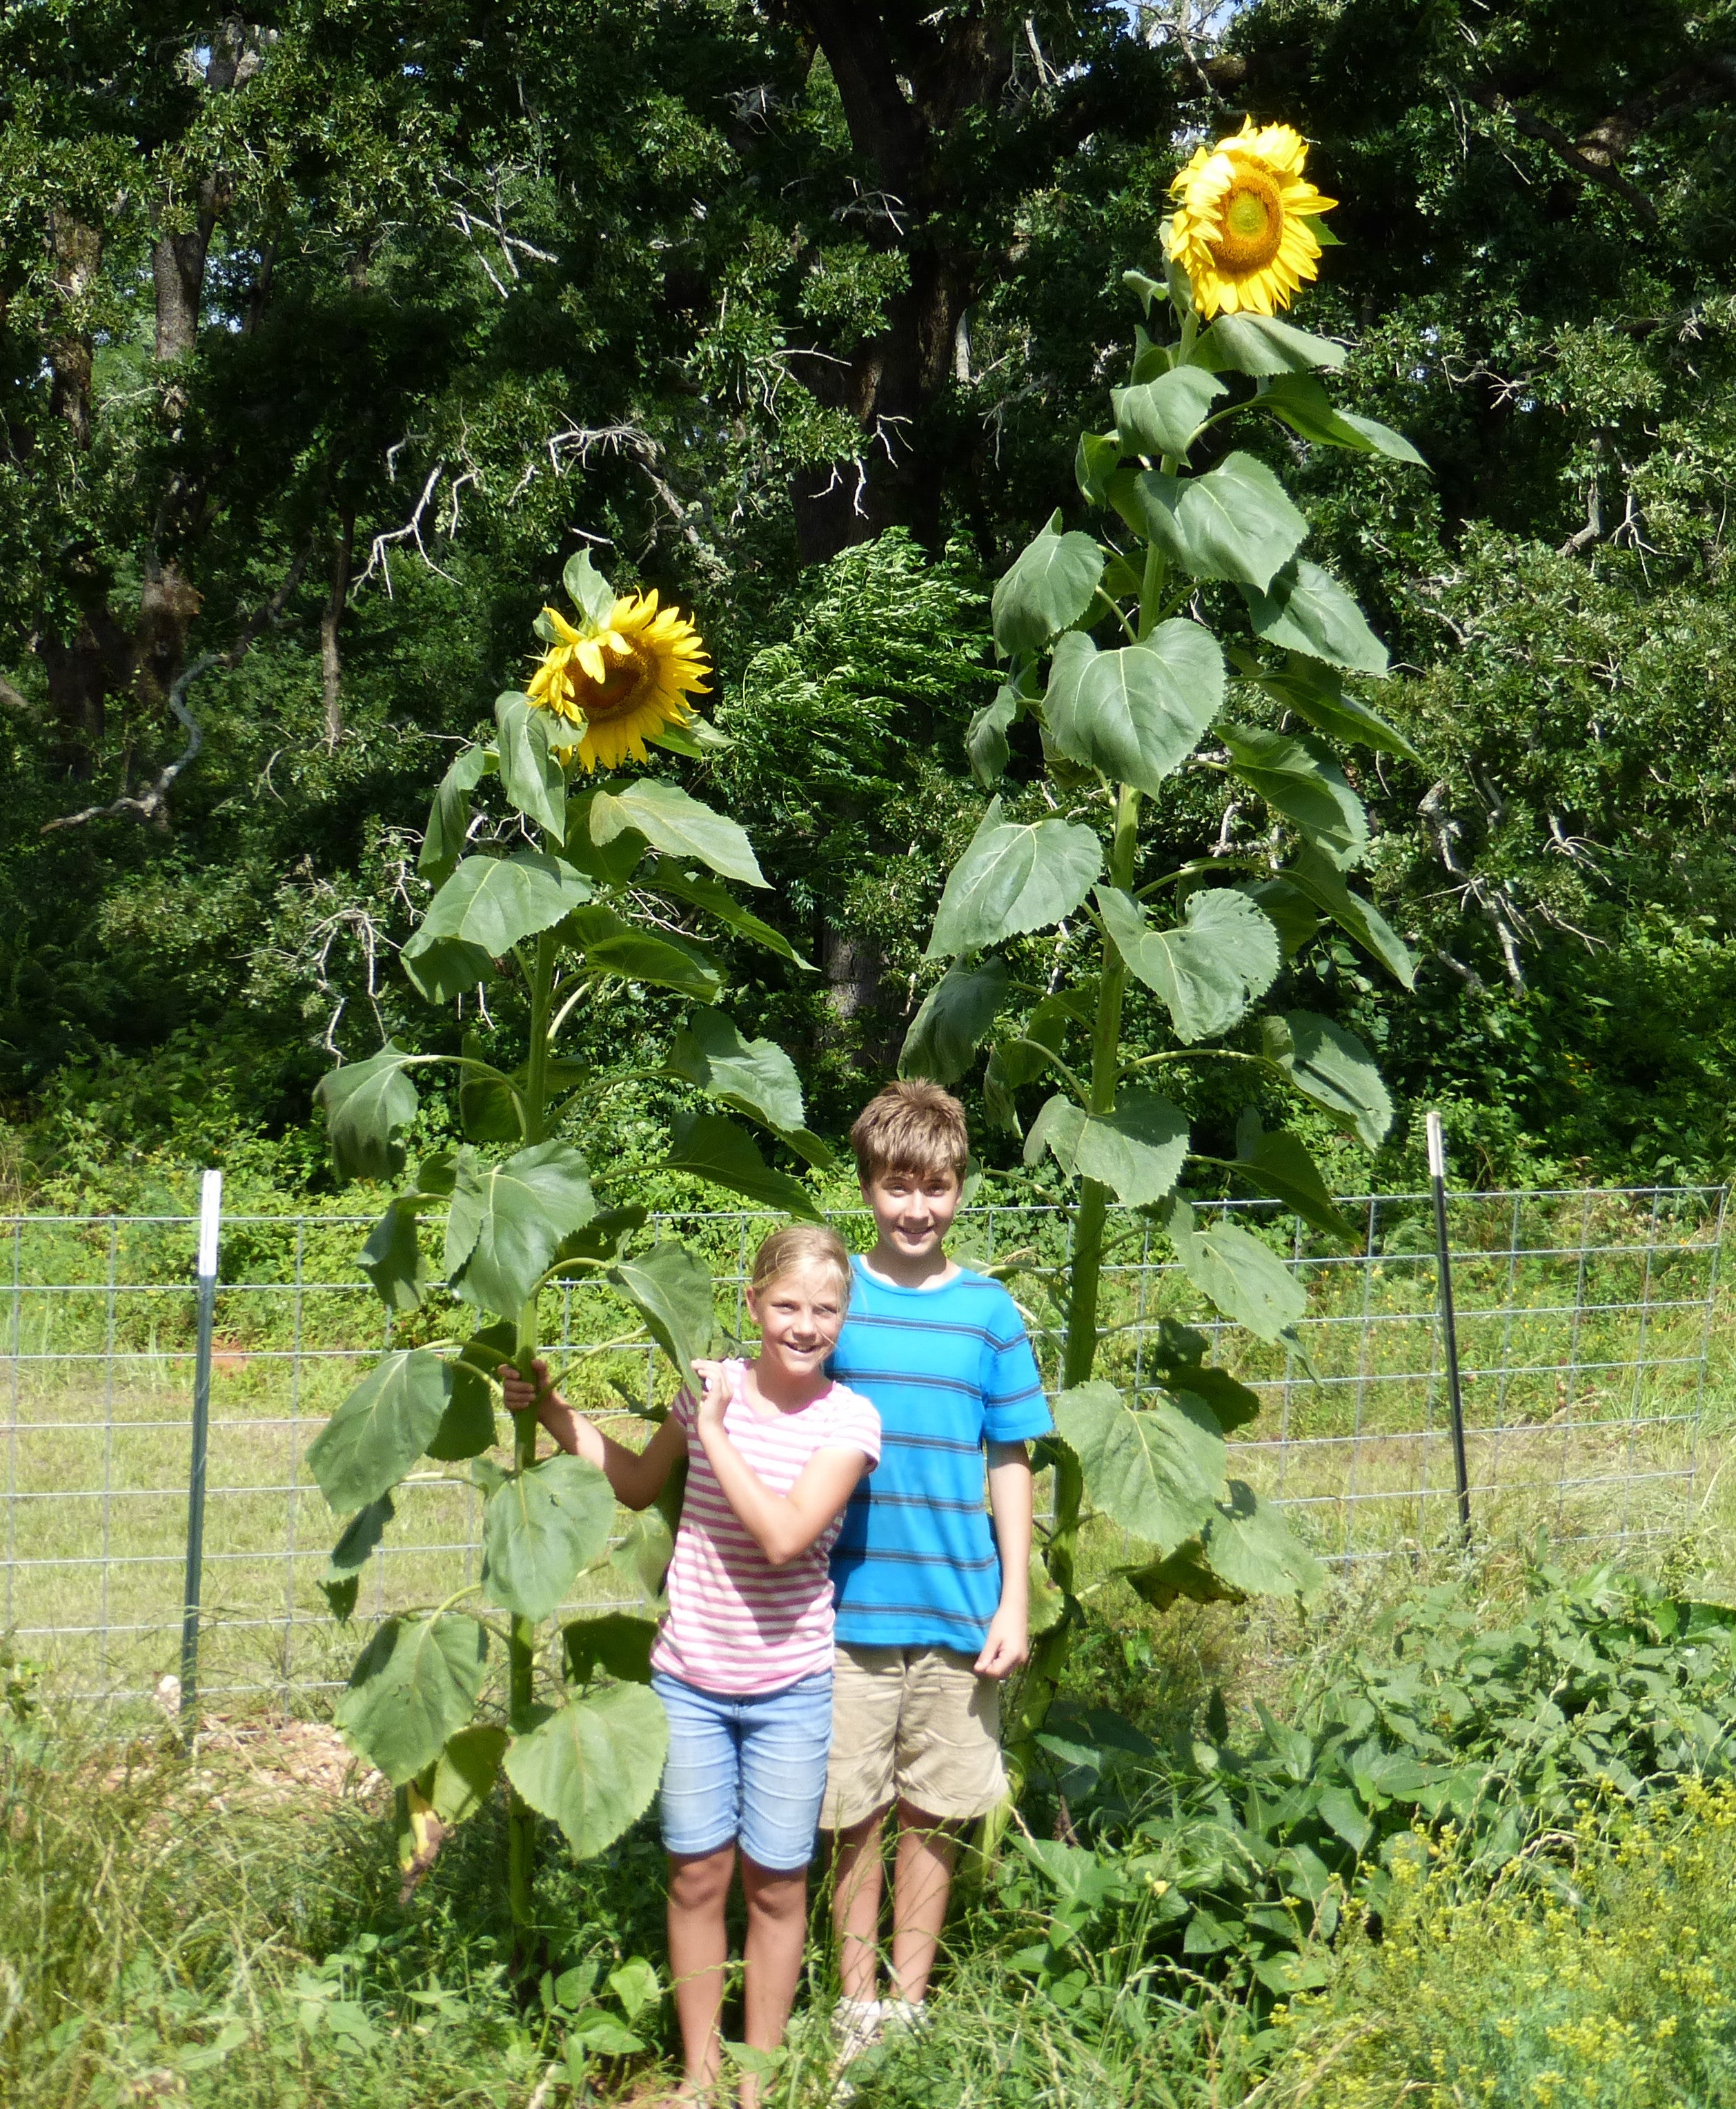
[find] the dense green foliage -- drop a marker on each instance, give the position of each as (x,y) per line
(326,337)
(1481,1841)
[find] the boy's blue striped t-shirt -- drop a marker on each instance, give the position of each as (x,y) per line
(947,1369)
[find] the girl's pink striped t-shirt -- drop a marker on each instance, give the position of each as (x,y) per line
(737,1625)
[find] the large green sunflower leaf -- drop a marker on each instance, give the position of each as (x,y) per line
(1246,1549)
(1307,610)
(467,1427)
(382,1428)
(507,1220)
(1303,403)
(1137,1151)
(1236,521)
(367,1104)
(392,1257)
(443,969)
(448,817)
(1050,584)
(1277,1164)
(540,1527)
(1332,1069)
(611,946)
(1155,1473)
(1316,692)
(592,1765)
(1261,345)
(665,876)
(1225,953)
(1163,415)
(957,1016)
(588,589)
(985,745)
(670,1288)
(530,774)
(494,903)
(1013,878)
(1137,713)
(1307,788)
(705,1146)
(679,825)
(465,1776)
(618,1644)
(755,1076)
(1244,1278)
(1314,873)
(415,1684)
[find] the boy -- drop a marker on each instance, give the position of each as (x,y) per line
(932,1607)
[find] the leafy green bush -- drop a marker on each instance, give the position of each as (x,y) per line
(1229,1856)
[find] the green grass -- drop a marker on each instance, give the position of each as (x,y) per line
(228,1929)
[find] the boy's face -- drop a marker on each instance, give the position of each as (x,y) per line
(913,1211)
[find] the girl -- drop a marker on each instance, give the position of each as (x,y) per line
(743,1661)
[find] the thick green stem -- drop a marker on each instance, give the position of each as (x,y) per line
(521,1674)
(521,1636)
(536,1072)
(1079,1347)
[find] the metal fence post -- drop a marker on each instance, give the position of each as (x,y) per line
(210,1211)
(1449,1323)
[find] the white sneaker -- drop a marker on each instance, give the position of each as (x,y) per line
(911,2014)
(856,2024)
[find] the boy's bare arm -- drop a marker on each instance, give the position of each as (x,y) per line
(1008,1644)
(637,1476)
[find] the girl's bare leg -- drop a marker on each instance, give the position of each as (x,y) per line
(699,1958)
(777,1930)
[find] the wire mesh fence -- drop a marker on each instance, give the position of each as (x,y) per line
(1585,1320)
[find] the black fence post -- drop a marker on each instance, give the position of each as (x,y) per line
(211,1212)
(1449,1323)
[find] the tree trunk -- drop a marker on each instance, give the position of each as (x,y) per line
(328,622)
(77,256)
(903,84)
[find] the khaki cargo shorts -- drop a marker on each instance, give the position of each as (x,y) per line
(913,1724)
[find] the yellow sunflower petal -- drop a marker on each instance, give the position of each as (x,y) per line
(567,633)
(1239,229)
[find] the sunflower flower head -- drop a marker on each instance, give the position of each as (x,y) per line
(1241,226)
(619,678)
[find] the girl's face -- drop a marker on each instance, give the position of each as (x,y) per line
(799,1314)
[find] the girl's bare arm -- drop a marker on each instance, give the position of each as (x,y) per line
(782,1525)
(637,1476)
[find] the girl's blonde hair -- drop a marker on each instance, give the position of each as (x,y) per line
(802,1244)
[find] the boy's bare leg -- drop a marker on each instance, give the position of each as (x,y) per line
(855,1905)
(699,1958)
(921,1883)
(777,1931)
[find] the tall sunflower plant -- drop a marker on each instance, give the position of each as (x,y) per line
(594,875)
(1187,636)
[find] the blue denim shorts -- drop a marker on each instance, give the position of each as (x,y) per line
(751,1770)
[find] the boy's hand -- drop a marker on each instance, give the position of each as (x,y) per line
(521,1395)
(1007,1647)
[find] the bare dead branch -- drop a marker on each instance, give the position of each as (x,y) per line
(1596,167)
(145,804)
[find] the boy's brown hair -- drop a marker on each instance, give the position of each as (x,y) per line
(911,1127)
